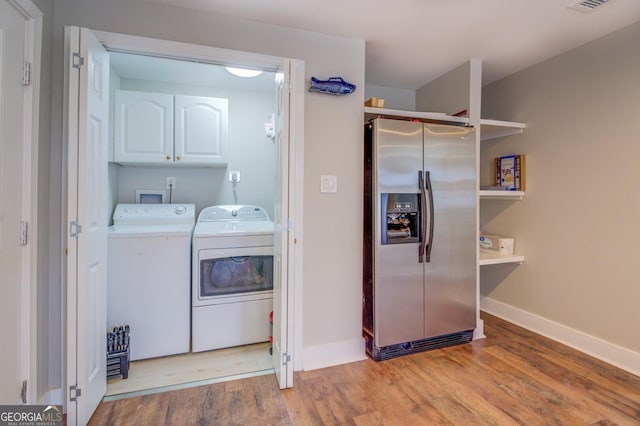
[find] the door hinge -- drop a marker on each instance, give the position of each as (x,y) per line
(74,229)
(26,73)
(23,392)
(23,233)
(285,358)
(78,60)
(74,393)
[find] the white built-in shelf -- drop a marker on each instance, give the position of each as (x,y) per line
(501,195)
(372,112)
(495,259)
(491,129)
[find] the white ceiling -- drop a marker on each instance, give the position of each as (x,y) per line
(173,71)
(411,42)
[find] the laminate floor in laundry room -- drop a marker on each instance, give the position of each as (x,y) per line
(178,371)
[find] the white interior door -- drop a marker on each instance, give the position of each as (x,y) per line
(87,241)
(282,364)
(20,43)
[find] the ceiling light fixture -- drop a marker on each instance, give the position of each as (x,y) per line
(242,72)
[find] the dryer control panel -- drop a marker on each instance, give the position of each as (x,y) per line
(233,213)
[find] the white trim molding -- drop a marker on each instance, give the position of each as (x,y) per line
(478,333)
(296,182)
(608,352)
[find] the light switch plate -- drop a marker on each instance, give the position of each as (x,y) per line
(328,183)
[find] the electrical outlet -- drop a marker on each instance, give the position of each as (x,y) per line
(234,176)
(171,183)
(328,183)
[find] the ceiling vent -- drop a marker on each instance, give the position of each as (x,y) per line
(588,6)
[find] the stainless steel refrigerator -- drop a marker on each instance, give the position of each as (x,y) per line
(420,237)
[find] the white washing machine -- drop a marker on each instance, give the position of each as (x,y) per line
(149,276)
(232,276)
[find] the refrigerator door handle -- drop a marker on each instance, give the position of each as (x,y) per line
(423,228)
(431,215)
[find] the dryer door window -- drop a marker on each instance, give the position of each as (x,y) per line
(236,271)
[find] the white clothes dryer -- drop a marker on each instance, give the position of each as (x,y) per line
(149,276)
(232,277)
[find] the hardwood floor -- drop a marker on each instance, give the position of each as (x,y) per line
(512,377)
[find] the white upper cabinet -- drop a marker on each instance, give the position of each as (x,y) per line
(143,127)
(200,130)
(166,129)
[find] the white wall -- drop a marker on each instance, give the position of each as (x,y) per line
(332,145)
(113,169)
(250,152)
(578,224)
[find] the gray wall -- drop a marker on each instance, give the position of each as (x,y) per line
(332,138)
(578,224)
(448,93)
(402,99)
(48,314)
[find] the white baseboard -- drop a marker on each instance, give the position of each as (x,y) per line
(478,333)
(321,356)
(608,352)
(52,397)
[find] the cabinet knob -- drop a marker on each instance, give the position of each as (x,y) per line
(178,158)
(168,157)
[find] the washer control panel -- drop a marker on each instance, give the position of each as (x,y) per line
(153,214)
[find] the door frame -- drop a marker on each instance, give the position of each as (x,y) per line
(29,195)
(186,51)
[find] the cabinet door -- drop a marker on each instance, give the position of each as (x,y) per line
(201,130)
(143,128)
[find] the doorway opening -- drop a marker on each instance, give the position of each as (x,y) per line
(285,203)
(251,154)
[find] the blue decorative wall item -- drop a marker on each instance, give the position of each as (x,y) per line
(332,86)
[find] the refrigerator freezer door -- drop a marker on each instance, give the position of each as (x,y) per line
(399,282)
(450,291)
